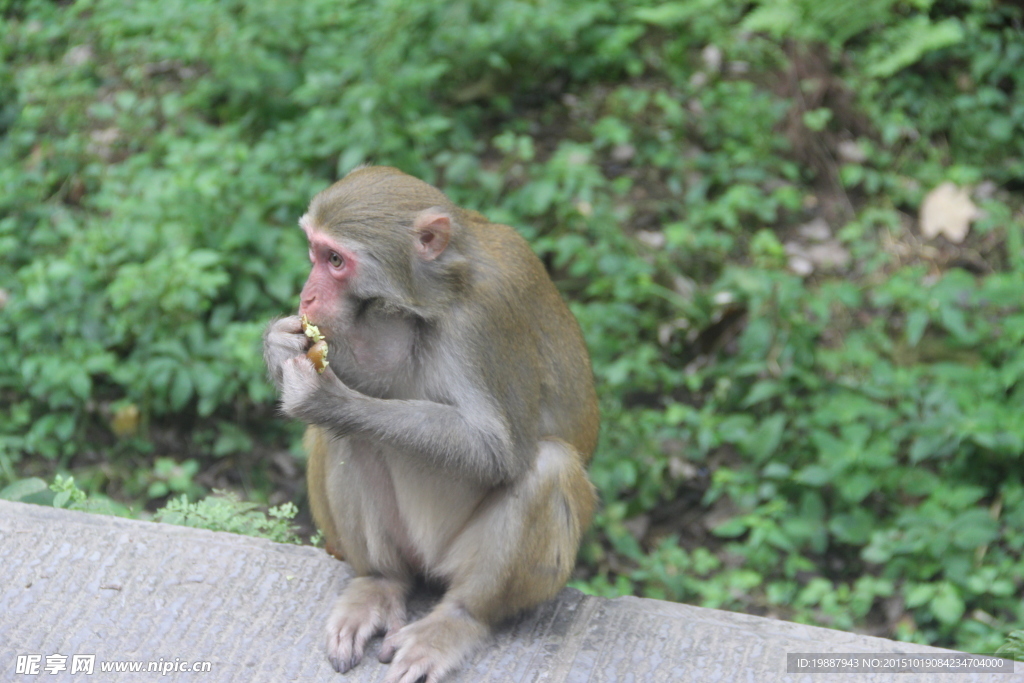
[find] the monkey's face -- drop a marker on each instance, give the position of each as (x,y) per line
(331,276)
(346,296)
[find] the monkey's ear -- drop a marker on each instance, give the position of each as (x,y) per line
(433,229)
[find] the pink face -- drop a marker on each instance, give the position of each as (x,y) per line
(333,266)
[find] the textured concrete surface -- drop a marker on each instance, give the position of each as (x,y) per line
(122,590)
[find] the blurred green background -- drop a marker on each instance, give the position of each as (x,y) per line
(812,407)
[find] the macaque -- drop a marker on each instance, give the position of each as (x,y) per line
(449,435)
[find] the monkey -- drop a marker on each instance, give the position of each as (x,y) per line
(449,436)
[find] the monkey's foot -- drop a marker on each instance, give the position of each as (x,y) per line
(368,607)
(432,647)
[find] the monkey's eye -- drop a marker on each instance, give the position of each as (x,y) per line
(336,260)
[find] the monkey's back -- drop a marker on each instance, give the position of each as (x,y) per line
(542,335)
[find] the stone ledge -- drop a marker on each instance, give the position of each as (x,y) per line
(75,583)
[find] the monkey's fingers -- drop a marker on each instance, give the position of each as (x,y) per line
(291,324)
(299,384)
(287,332)
(282,340)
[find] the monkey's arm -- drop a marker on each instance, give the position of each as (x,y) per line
(472,439)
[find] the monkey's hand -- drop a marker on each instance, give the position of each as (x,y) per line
(310,396)
(283,339)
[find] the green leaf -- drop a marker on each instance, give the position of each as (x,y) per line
(974,529)
(776,470)
(731,528)
(920,594)
(854,527)
(181,389)
(814,475)
(668,14)
(765,439)
(907,42)
(761,391)
(24,490)
(817,119)
(947,605)
(917,322)
(855,487)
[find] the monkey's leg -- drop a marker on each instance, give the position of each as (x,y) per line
(516,552)
(354,507)
(318,446)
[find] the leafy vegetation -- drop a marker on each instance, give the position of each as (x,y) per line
(810,410)
(220,512)
(225,512)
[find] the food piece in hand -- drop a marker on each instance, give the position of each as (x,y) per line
(318,352)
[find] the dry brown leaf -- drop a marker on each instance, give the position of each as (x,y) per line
(947,210)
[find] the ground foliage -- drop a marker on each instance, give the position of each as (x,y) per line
(810,411)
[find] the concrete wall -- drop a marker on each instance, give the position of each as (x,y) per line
(124,590)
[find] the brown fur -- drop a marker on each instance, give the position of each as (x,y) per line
(451,438)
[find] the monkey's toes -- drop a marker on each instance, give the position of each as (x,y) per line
(340,664)
(346,646)
(388,647)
